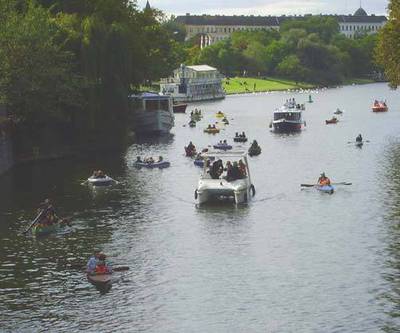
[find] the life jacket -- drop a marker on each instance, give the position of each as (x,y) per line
(325,181)
(101,269)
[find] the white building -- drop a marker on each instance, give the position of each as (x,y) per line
(193,83)
(212,29)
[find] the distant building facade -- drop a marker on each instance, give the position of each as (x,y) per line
(193,83)
(212,29)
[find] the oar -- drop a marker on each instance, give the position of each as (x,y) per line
(35,221)
(312,185)
(115,269)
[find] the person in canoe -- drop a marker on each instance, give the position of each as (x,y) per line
(323,180)
(48,212)
(92,262)
(359,138)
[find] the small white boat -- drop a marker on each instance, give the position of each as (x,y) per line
(101,181)
(238,190)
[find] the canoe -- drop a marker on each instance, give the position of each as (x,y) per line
(325,189)
(239,139)
(222,146)
(211,130)
(331,121)
(99,280)
(40,229)
(160,165)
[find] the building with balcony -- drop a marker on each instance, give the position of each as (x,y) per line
(193,83)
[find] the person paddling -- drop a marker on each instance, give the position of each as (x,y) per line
(323,180)
(359,138)
(102,266)
(92,262)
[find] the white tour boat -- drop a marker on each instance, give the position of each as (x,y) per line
(221,188)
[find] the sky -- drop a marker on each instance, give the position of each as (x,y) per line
(267,7)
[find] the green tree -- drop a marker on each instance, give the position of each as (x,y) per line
(388,48)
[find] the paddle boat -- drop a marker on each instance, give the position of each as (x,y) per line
(219,188)
(152,165)
(240,139)
(333,120)
(222,146)
(380,106)
(220,114)
(338,111)
(212,130)
(100,181)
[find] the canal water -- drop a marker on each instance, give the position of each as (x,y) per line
(293,260)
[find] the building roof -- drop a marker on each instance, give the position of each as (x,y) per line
(201,68)
(203,20)
(228,20)
(360,12)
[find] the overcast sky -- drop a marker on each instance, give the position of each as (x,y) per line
(267,7)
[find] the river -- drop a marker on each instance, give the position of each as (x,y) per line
(292,260)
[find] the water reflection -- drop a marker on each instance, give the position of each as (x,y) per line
(391,205)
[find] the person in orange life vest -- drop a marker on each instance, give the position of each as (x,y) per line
(102,266)
(323,180)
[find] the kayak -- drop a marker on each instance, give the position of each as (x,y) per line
(160,165)
(220,115)
(40,229)
(211,130)
(359,144)
(239,139)
(222,146)
(99,280)
(325,189)
(225,121)
(332,121)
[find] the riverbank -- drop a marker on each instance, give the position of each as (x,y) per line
(241,85)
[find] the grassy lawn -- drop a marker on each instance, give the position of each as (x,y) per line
(239,85)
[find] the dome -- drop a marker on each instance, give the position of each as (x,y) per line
(360,12)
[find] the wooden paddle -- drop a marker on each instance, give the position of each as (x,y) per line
(35,221)
(115,269)
(313,185)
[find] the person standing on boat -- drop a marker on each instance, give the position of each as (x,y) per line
(359,138)
(92,263)
(323,180)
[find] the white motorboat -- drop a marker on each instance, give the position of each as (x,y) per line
(221,188)
(100,181)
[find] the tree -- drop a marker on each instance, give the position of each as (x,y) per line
(388,48)
(292,68)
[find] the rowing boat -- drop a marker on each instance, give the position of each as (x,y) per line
(99,280)
(325,188)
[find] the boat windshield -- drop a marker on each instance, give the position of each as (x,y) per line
(287,115)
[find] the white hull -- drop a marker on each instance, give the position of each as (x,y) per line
(216,189)
(153,121)
(196,98)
